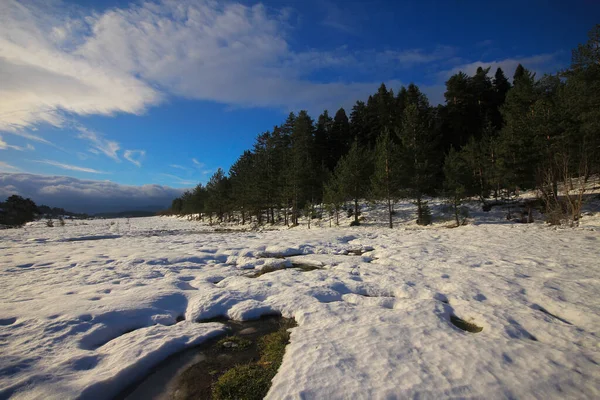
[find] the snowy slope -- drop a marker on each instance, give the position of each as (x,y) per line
(87,308)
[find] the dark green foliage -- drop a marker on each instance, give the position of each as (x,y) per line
(340,139)
(17,211)
(217,194)
(385,183)
(419,157)
(352,175)
(252,381)
(489,139)
(458,182)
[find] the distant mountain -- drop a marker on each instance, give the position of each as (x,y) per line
(87,196)
(126,214)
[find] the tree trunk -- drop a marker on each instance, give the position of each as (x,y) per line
(456,211)
(389,201)
(356,210)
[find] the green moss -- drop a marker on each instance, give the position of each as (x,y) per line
(234,343)
(252,381)
(243,382)
(272,348)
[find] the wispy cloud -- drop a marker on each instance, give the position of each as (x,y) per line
(135,156)
(57,62)
(179,167)
(412,57)
(5,167)
(197,163)
(44,72)
(179,181)
(5,146)
(99,144)
(69,167)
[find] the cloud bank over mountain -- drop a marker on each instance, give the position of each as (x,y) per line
(88,196)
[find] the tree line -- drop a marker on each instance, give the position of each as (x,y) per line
(492,139)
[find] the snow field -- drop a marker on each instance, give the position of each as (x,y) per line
(87,309)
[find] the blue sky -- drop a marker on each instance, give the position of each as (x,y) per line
(165,92)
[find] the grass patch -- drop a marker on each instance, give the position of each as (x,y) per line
(252,381)
(234,343)
(464,325)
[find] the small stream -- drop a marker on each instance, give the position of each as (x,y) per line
(190,374)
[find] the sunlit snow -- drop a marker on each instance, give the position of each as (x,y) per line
(88,308)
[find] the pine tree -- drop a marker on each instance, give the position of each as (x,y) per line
(501,86)
(322,151)
(217,194)
(242,176)
(302,172)
(16,211)
(339,139)
(358,124)
(384,181)
(352,176)
(518,148)
(458,181)
(419,158)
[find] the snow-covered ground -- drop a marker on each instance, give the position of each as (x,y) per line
(88,308)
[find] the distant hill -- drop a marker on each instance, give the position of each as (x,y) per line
(126,214)
(87,196)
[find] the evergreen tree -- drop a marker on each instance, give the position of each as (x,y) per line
(384,181)
(322,151)
(458,181)
(358,124)
(16,211)
(302,173)
(242,176)
(217,194)
(501,86)
(518,147)
(419,158)
(339,139)
(352,176)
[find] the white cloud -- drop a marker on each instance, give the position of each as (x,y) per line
(30,147)
(198,163)
(5,167)
(42,74)
(56,59)
(411,57)
(179,167)
(5,146)
(69,167)
(179,181)
(86,195)
(99,143)
(135,156)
